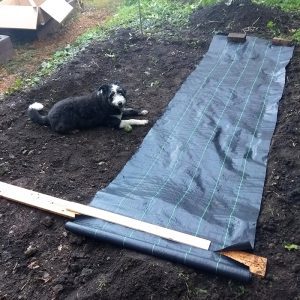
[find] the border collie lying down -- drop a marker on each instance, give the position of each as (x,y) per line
(105,107)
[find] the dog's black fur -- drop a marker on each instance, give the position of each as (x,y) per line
(93,110)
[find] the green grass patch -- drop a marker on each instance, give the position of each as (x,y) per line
(155,14)
(286,5)
(296,36)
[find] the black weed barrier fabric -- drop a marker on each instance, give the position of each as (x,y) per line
(201,168)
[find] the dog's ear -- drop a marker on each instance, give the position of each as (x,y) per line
(120,88)
(124,92)
(103,90)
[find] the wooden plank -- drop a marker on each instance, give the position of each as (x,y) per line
(237,37)
(278,41)
(257,264)
(34,199)
(70,209)
(162,232)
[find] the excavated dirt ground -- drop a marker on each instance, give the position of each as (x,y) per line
(40,260)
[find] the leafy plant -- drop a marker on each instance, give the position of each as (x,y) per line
(296,36)
(270,25)
(273,27)
(291,247)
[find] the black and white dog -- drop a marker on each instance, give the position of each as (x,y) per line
(104,107)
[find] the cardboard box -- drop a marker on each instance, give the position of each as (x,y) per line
(29,14)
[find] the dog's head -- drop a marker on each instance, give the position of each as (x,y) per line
(114,94)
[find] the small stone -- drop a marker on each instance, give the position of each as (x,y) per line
(58,288)
(86,272)
(30,251)
(46,277)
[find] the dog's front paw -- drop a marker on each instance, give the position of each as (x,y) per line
(144,122)
(144,112)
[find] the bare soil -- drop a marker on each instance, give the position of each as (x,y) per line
(40,260)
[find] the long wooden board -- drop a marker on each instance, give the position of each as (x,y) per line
(34,199)
(69,209)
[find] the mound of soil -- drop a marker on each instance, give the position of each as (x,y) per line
(40,260)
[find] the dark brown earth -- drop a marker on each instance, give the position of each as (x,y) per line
(60,265)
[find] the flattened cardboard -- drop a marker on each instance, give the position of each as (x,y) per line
(20,17)
(28,14)
(15,2)
(57,9)
(32,3)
